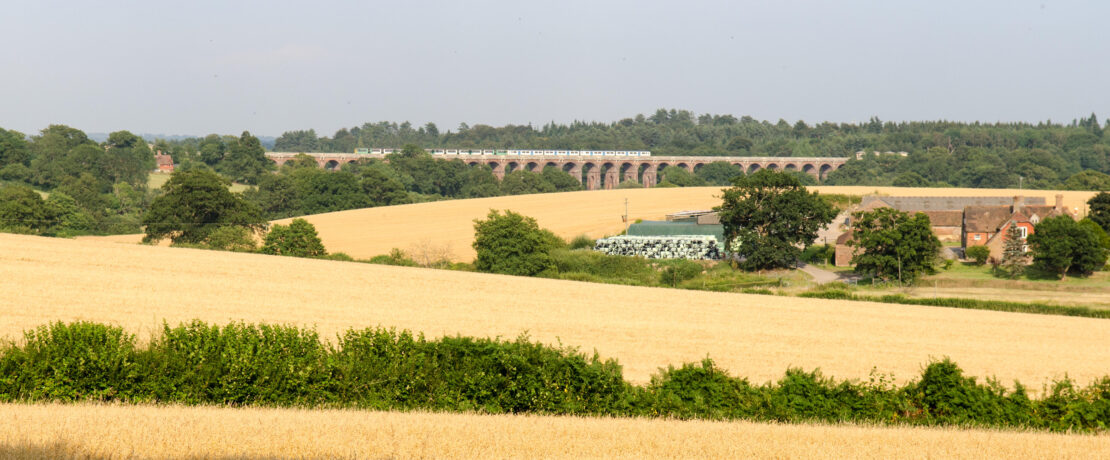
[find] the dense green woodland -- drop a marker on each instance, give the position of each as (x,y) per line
(101,188)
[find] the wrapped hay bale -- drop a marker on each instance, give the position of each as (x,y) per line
(694,247)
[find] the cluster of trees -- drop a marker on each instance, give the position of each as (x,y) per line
(101,188)
(91,187)
(242,159)
(197,209)
(410,176)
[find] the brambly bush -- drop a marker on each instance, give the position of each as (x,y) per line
(273,365)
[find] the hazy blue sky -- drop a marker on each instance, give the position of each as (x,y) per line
(221,66)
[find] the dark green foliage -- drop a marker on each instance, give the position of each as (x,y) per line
(195,203)
(979,253)
(561,180)
(895,245)
(512,244)
(245,160)
(22,210)
(266,365)
(767,215)
(595,266)
(718,173)
(198,363)
(1060,245)
(678,270)
(70,362)
(232,238)
(522,182)
(395,257)
(581,242)
(681,177)
(298,239)
(819,254)
(1014,254)
(1088,180)
(13,149)
(1100,210)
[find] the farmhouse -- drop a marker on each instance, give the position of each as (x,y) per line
(971,221)
(164,162)
(987,225)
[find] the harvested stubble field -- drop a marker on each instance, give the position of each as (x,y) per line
(448,226)
(98,432)
(139,287)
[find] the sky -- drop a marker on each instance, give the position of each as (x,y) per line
(202,67)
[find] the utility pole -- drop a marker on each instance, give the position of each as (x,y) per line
(626,216)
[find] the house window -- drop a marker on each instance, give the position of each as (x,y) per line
(978,237)
(1024,232)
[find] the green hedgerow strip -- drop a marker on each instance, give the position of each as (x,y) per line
(267,365)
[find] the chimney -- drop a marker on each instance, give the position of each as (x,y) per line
(1019,204)
(1059,202)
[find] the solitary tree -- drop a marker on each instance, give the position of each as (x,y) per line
(768,215)
(193,204)
(893,244)
(1014,255)
(511,244)
(298,239)
(1061,246)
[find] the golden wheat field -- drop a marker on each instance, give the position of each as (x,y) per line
(447,227)
(138,287)
(101,432)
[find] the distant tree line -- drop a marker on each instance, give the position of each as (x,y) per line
(61,182)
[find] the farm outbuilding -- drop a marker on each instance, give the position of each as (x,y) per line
(664,228)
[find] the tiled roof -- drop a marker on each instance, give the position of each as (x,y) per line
(985,219)
(945,218)
(945,203)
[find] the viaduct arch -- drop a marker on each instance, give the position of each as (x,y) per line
(599,172)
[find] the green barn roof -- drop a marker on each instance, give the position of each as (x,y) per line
(663,228)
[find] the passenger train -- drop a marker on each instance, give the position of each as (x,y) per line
(572,153)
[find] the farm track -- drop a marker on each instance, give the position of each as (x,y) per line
(758,337)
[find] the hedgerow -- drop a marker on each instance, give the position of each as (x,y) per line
(268,365)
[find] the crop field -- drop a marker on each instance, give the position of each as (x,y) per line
(447,227)
(90,431)
(759,337)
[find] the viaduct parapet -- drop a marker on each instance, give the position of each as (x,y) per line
(598,172)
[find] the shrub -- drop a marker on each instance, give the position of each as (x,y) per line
(232,238)
(298,239)
(512,244)
(581,242)
(69,362)
(678,270)
(395,257)
(979,254)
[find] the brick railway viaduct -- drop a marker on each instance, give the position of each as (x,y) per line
(597,172)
